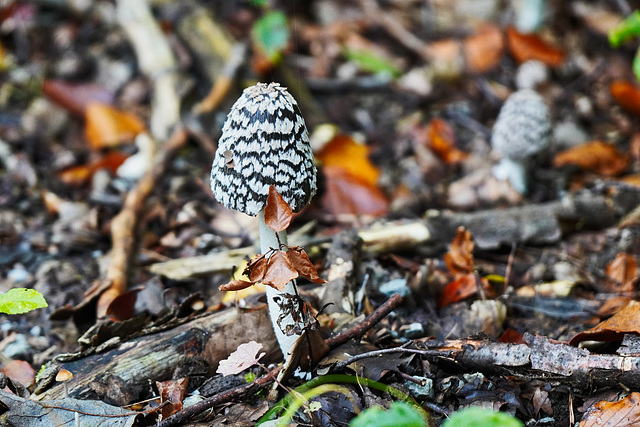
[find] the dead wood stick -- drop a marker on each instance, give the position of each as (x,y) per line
(361,328)
(540,358)
(227,396)
(126,223)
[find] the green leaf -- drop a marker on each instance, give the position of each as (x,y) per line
(21,300)
(479,417)
(372,62)
(399,414)
(271,34)
(628,28)
(260,3)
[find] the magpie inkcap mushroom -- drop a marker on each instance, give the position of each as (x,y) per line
(264,142)
(521,130)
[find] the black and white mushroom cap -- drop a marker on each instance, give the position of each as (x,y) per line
(523,127)
(264,142)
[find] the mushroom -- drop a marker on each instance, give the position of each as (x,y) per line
(265,142)
(520,132)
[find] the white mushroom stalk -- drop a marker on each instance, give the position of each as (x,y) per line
(265,142)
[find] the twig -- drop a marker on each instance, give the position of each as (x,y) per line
(126,223)
(361,328)
(234,393)
(429,353)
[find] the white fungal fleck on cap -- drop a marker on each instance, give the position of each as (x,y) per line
(523,126)
(266,142)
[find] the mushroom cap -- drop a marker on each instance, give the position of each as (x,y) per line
(264,142)
(523,126)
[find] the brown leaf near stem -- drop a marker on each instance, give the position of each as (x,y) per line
(459,259)
(256,268)
(623,270)
(277,213)
(627,95)
(235,285)
(595,156)
(625,412)
(625,321)
(279,271)
(300,261)
(348,194)
(524,47)
(172,394)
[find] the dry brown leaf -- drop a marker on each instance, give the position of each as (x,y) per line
(171,395)
(277,212)
(243,358)
(594,156)
(19,371)
(484,49)
(524,47)
(623,270)
(107,126)
(303,265)
(627,95)
(279,271)
(235,285)
(626,321)
(459,258)
(256,268)
(623,413)
(345,153)
(347,194)
(441,139)
(461,288)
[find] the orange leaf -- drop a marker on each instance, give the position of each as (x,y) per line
(107,126)
(626,321)
(279,271)
(347,194)
(303,265)
(442,140)
(483,50)
(235,285)
(78,175)
(623,270)
(627,95)
(623,413)
(633,179)
(353,158)
(459,259)
(76,97)
(461,288)
(277,213)
(594,156)
(524,47)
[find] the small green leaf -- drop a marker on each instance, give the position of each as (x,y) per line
(271,34)
(399,414)
(371,62)
(21,300)
(479,417)
(628,28)
(260,3)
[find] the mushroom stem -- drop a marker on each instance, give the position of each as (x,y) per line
(268,240)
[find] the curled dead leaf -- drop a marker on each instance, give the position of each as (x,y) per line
(623,272)
(623,413)
(484,49)
(300,261)
(459,259)
(441,139)
(279,271)
(277,212)
(625,321)
(235,285)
